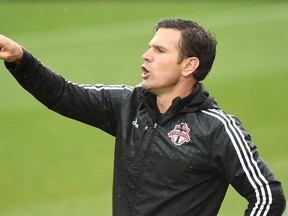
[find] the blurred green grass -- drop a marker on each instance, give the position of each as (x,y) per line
(51,165)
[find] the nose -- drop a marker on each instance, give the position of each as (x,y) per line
(147,55)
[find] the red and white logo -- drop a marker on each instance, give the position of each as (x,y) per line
(180,134)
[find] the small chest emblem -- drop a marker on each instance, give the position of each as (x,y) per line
(180,134)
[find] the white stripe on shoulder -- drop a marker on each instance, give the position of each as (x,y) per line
(247,161)
(99,87)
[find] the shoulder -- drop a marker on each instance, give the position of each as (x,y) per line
(229,125)
(222,117)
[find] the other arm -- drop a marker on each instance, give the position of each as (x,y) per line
(237,159)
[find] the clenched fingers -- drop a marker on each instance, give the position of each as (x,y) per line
(10,51)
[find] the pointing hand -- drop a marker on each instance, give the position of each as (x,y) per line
(10,51)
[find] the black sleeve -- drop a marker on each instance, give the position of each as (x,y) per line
(237,159)
(92,105)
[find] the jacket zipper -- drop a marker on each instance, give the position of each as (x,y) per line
(140,144)
(154,125)
(137,184)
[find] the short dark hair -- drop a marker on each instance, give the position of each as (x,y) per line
(195,42)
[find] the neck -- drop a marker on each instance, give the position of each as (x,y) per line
(164,101)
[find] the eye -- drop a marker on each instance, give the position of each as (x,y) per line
(160,50)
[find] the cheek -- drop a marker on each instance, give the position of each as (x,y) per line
(167,64)
(171,70)
(168,77)
(166,67)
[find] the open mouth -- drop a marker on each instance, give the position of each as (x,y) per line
(145,73)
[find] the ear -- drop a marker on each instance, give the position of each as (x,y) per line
(190,65)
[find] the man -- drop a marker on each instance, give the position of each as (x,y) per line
(176,151)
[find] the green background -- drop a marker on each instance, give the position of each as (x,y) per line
(54,166)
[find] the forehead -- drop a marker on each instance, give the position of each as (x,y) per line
(166,37)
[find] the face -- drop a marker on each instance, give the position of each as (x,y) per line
(161,69)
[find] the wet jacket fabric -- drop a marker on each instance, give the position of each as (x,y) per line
(179,163)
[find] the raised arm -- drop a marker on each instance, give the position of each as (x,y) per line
(96,105)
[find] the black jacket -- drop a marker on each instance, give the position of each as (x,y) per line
(179,163)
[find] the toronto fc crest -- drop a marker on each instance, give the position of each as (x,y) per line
(180,134)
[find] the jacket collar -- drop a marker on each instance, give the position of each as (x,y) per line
(199,99)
